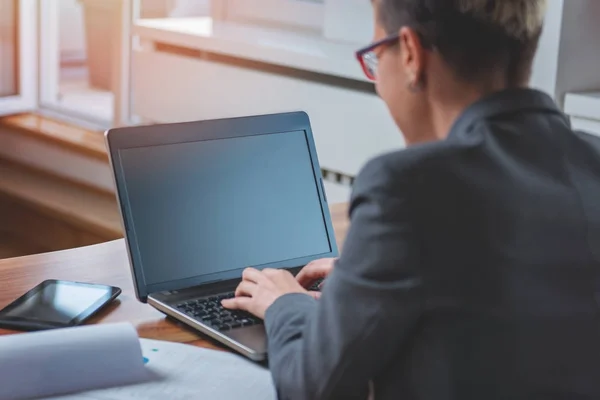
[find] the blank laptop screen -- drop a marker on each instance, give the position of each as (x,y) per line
(207,207)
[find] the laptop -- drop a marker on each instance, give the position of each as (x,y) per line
(202,201)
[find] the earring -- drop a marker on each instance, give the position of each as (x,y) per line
(414,86)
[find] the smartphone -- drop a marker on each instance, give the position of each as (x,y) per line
(56,304)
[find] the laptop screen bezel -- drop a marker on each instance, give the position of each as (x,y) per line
(119,139)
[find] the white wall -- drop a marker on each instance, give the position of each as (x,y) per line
(579,57)
(349,21)
(189,8)
(568,58)
(545,67)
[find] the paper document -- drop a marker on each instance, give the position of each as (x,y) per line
(33,365)
(188,372)
(109,362)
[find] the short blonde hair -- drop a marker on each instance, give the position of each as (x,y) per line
(521,19)
(473,36)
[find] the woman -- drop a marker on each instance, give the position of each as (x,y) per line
(472,266)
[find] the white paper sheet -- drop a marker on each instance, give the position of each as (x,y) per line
(188,372)
(34,365)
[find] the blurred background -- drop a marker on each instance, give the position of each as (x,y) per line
(69,69)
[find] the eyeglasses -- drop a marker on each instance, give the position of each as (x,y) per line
(368,58)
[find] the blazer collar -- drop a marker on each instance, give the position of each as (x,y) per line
(505,102)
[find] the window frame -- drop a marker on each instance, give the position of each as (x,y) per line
(49,71)
(26,97)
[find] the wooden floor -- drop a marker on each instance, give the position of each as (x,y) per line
(12,246)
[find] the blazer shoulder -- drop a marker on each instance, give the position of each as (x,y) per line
(393,169)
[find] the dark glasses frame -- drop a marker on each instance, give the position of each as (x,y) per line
(367,58)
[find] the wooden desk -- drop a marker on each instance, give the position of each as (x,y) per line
(108,264)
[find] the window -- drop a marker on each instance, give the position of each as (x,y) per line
(18,56)
(307,14)
(84,47)
(79,42)
(85,58)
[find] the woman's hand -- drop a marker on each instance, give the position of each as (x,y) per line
(319,269)
(259,289)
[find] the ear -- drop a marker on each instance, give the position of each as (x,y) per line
(413,56)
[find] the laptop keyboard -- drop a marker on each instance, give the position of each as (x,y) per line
(210,311)
(316,287)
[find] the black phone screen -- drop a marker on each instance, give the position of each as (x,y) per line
(57,304)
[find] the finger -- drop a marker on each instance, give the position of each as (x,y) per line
(278,277)
(238,303)
(271,272)
(246,289)
(315,295)
(252,275)
(312,272)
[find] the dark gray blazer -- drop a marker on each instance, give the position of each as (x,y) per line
(471,270)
